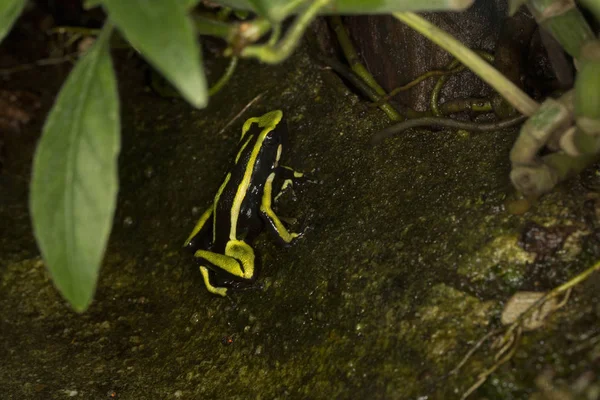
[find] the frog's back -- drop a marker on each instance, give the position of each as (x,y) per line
(237,203)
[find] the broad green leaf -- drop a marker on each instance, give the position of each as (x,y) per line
(276,10)
(162,31)
(9,12)
(189,4)
(389,6)
(88,4)
(279,9)
(514,5)
(74,181)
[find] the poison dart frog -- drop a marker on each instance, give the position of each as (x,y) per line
(222,237)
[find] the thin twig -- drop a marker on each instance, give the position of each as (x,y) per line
(485,374)
(353,78)
(417,80)
(238,115)
(225,78)
(445,123)
(472,351)
(510,339)
(553,293)
(39,63)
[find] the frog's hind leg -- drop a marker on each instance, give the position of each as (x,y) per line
(271,219)
(221,291)
(238,259)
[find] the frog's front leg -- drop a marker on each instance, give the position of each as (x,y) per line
(271,219)
(238,260)
(286,177)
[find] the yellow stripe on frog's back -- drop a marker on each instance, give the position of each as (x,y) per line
(268,122)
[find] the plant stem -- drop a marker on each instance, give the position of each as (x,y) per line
(564,21)
(361,85)
(212,27)
(359,69)
(511,92)
(593,6)
(445,123)
(454,65)
(225,78)
(275,54)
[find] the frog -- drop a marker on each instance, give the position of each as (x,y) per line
(242,208)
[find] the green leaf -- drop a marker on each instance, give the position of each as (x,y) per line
(514,5)
(74,181)
(9,12)
(162,31)
(89,4)
(276,10)
(189,4)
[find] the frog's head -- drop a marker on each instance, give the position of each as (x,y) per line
(267,136)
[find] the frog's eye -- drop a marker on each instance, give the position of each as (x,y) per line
(270,140)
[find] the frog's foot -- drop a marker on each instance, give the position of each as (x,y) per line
(237,261)
(286,178)
(219,284)
(310,177)
(272,221)
(221,291)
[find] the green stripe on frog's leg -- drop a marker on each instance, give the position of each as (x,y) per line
(213,289)
(273,222)
(238,259)
(222,261)
(243,253)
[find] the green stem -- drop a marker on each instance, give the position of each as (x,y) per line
(553,115)
(352,56)
(587,85)
(445,123)
(453,65)
(564,21)
(225,78)
(279,52)
(286,9)
(468,104)
(361,85)
(359,69)
(511,92)
(212,27)
(275,34)
(421,78)
(593,6)
(535,180)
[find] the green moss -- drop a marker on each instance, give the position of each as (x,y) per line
(406,244)
(500,259)
(448,318)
